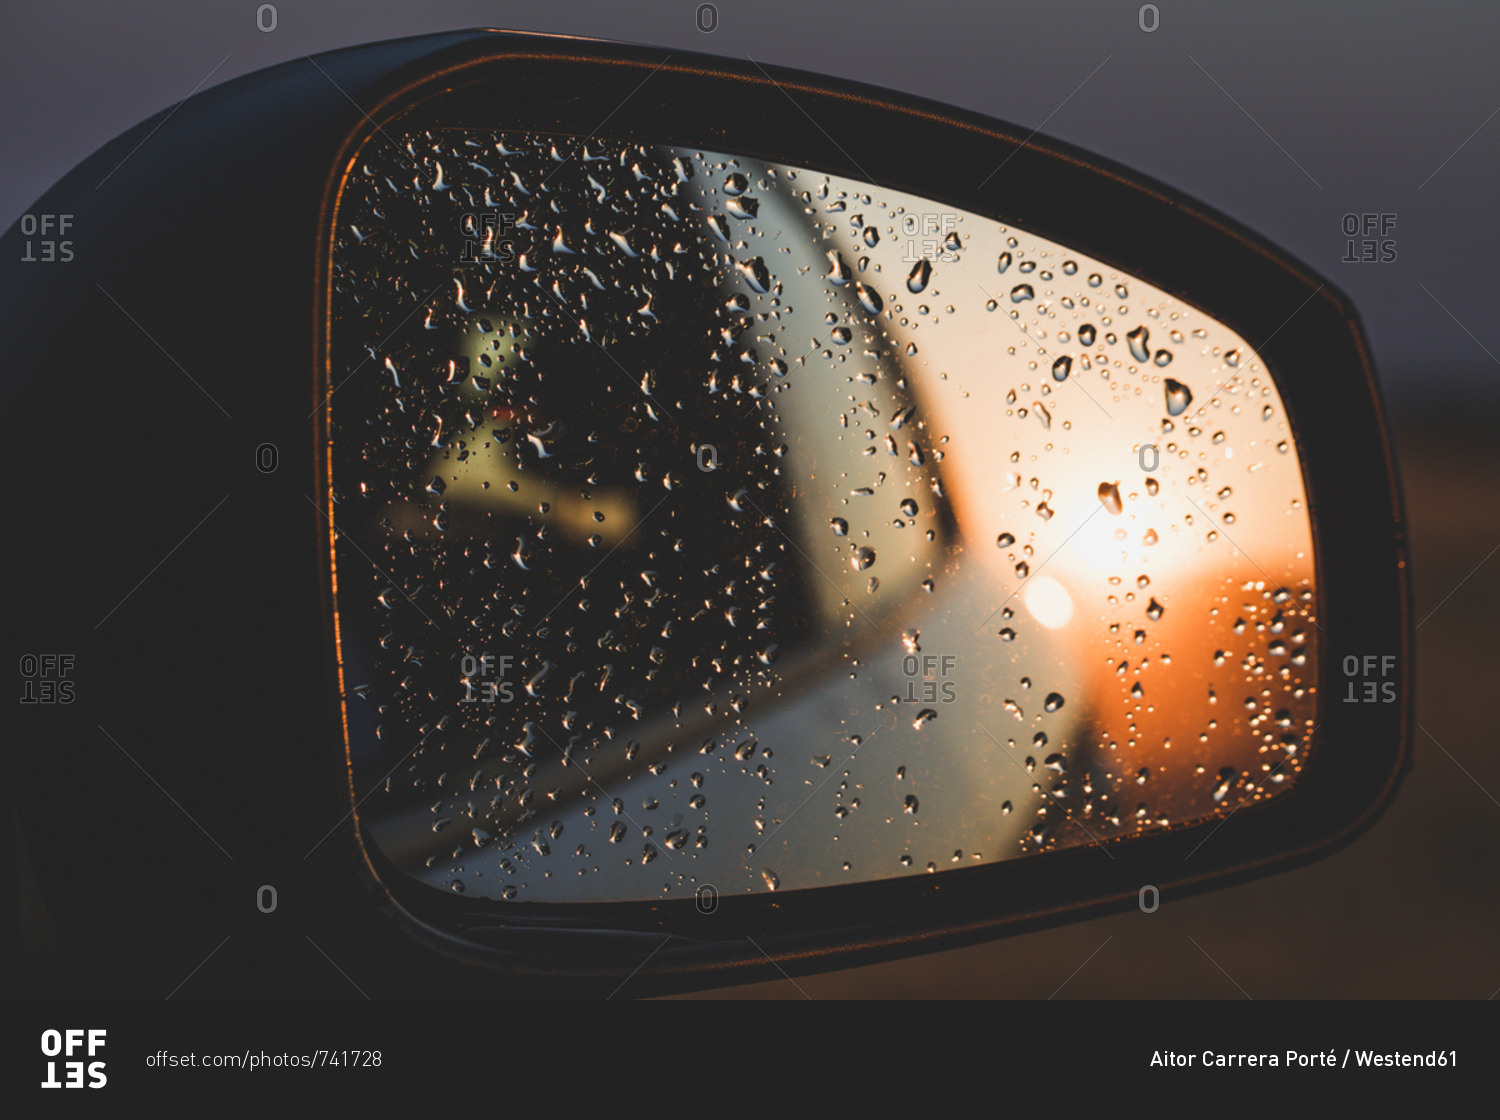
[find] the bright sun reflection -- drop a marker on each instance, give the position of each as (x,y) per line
(1048,601)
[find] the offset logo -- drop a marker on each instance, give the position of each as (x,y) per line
(73,1046)
(45,678)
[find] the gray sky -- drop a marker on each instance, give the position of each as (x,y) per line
(1285,116)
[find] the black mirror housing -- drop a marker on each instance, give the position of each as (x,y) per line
(146,376)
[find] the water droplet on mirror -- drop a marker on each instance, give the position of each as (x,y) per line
(840,527)
(771,878)
(1109,497)
(1021,293)
(869,299)
(863,558)
(1155,610)
(1179,396)
(1005,540)
(1226,780)
(1086,334)
(924,717)
(1139,348)
(1053,702)
(756,272)
(910,805)
(916,279)
(1061,368)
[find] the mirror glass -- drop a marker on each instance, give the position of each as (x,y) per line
(710,523)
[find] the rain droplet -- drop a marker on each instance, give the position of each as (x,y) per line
(909,507)
(1061,368)
(772,879)
(925,716)
(1139,350)
(869,299)
(1053,702)
(910,805)
(1021,293)
(1109,496)
(756,272)
(916,279)
(1005,540)
(862,559)
(746,207)
(1155,610)
(1179,396)
(1226,779)
(840,527)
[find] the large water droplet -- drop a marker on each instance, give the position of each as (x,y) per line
(1179,396)
(916,279)
(756,272)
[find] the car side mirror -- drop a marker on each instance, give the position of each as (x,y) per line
(549,505)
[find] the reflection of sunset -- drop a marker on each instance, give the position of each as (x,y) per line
(1000,550)
(1112,506)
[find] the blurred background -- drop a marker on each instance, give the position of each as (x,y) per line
(1298,120)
